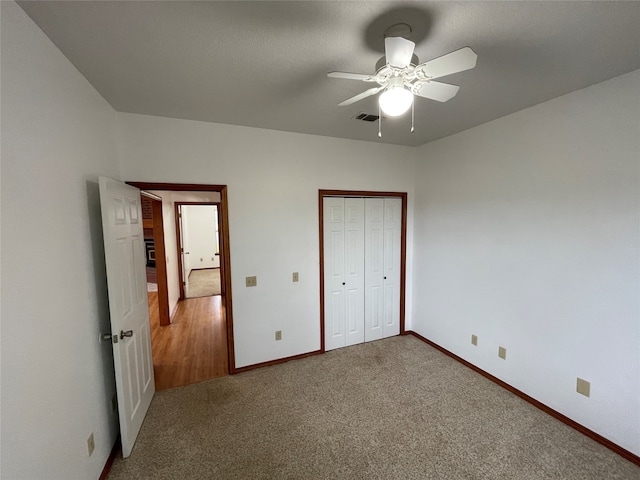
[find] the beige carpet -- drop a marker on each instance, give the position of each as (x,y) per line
(391,409)
(203,283)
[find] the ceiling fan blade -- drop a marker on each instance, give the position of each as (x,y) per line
(360,96)
(458,61)
(352,76)
(398,51)
(436,91)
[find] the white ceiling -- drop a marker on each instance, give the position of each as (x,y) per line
(264,64)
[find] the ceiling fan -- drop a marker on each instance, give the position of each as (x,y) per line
(399,79)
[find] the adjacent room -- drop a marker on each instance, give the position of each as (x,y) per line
(265,239)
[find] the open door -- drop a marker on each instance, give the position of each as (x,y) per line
(128,305)
(221,250)
(182,256)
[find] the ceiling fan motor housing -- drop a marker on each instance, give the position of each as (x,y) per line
(398,30)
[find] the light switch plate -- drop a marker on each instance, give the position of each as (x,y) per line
(474,340)
(295,276)
(251,281)
(502,353)
(583,387)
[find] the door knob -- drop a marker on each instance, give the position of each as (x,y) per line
(128,333)
(105,337)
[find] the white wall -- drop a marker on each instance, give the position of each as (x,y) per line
(57,379)
(273,180)
(527,235)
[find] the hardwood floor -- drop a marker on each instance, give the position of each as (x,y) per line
(194,347)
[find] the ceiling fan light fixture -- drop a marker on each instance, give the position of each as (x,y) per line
(395,101)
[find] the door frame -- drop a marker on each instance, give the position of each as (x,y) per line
(164,317)
(403,247)
(177,206)
(223,219)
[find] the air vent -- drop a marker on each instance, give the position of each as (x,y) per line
(366,117)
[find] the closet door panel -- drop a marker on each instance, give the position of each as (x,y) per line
(334,274)
(354,261)
(374,268)
(362,246)
(391,277)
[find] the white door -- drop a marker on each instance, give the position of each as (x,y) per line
(128,305)
(334,302)
(216,247)
(383,233)
(391,277)
(374,268)
(184,251)
(343,227)
(354,269)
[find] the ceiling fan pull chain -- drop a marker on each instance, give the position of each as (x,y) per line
(379,121)
(413,111)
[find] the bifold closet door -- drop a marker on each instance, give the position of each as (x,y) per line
(343,227)
(383,233)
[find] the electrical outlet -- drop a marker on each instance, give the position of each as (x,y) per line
(474,340)
(251,281)
(583,387)
(295,276)
(502,353)
(278,334)
(91,446)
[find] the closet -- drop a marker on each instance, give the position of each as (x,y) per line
(362,254)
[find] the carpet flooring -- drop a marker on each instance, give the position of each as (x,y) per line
(391,409)
(203,283)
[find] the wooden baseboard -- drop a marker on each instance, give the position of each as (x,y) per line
(633,458)
(112,457)
(275,362)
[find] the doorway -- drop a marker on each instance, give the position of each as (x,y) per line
(197,342)
(156,269)
(198,240)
